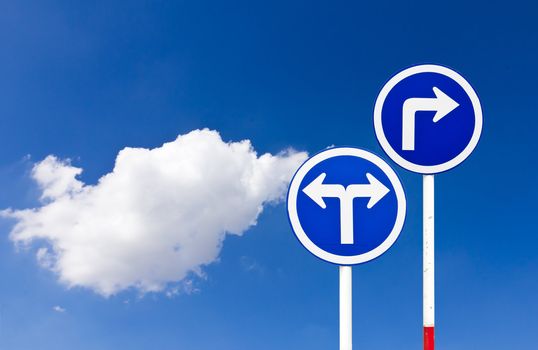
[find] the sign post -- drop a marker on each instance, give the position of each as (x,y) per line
(346,334)
(428,119)
(346,206)
(428,262)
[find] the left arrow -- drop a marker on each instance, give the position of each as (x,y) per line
(317,190)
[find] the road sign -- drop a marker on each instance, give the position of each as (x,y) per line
(428,119)
(346,205)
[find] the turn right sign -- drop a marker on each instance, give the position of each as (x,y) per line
(428,119)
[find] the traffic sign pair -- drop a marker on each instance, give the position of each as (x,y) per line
(347,206)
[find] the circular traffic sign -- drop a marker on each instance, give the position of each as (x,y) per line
(346,205)
(428,119)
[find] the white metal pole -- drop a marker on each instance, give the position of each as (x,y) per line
(428,262)
(345,308)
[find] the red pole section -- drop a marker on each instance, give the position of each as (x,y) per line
(429,338)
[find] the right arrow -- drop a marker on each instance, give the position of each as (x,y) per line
(442,104)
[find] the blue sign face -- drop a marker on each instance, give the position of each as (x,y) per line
(346,205)
(428,119)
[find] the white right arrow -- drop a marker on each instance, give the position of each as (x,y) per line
(374,190)
(442,104)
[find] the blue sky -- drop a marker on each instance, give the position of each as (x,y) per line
(84,80)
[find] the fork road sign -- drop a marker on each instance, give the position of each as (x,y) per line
(346,205)
(428,119)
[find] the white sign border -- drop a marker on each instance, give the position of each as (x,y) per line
(303,237)
(378,126)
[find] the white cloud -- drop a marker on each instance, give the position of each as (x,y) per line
(160,215)
(58,309)
(251,265)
